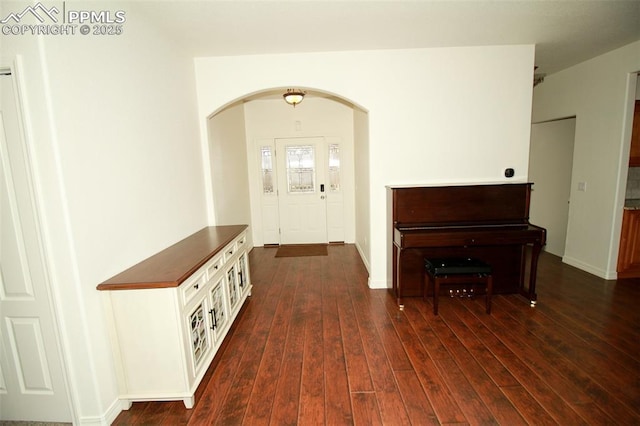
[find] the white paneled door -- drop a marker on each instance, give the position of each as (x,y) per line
(32,383)
(302,201)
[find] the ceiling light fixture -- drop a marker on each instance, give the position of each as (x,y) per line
(293,96)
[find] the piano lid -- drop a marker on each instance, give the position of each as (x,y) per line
(461,205)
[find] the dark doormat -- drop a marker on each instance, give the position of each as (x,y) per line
(296,250)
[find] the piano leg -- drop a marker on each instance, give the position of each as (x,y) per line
(398,281)
(531,291)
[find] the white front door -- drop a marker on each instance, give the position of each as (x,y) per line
(301,190)
(32,383)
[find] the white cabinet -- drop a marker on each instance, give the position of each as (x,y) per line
(165,332)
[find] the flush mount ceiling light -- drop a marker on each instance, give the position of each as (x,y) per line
(293,96)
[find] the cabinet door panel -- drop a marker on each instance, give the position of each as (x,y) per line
(629,254)
(200,343)
(218,310)
(243,273)
(232,287)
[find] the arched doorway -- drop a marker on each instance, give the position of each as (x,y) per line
(243,139)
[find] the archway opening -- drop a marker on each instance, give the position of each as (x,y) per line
(244,134)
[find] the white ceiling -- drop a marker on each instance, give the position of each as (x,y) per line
(565,32)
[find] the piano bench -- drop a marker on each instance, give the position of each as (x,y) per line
(456,270)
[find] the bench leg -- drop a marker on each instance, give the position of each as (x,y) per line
(436,293)
(489,292)
(424,286)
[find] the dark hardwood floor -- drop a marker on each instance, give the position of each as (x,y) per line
(314,345)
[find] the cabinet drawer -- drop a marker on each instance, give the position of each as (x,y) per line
(235,246)
(229,251)
(241,242)
(192,287)
(214,266)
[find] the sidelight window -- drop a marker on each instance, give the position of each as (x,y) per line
(334,168)
(266,154)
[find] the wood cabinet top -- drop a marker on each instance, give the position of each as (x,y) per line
(173,265)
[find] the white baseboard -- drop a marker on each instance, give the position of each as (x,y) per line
(589,268)
(108,417)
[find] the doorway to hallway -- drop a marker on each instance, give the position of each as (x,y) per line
(550,170)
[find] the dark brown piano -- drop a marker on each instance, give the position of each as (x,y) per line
(489,222)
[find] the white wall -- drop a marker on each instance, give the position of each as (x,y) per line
(118,174)
(600,93)
(435,115)
(362,181)
(229,174)
(271,119)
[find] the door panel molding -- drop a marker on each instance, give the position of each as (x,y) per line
(15,277)
(29,355)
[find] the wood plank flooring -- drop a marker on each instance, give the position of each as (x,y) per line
(315,346)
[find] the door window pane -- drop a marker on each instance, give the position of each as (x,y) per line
(334,168)
(266,154)
(300,169)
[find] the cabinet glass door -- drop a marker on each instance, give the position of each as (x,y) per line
(232,286)
(199,337)
(243,273)
(218,310)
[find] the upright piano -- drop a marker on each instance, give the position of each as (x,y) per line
(487,221)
